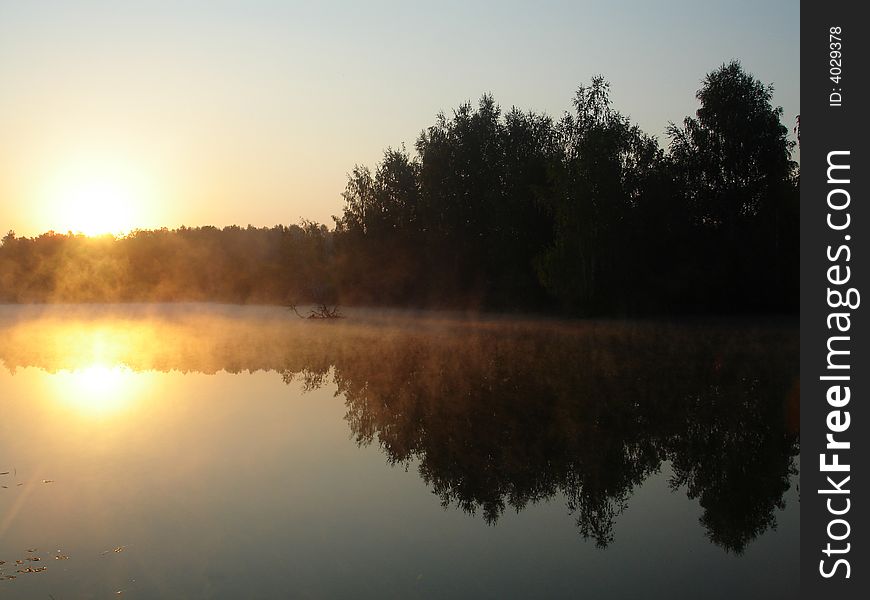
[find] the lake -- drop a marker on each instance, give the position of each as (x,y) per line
(212,451)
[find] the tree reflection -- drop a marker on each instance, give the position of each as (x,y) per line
(502,419)
(501,414)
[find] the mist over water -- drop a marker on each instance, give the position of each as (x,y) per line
(226,449)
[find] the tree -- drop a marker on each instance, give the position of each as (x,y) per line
(735,152)
(599,182)
(732,162)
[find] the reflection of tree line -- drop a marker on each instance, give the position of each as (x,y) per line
(507,414)
(506,421)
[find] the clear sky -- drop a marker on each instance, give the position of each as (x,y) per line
(121,114)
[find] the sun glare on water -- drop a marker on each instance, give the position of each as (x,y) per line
(99,390)
(91,369)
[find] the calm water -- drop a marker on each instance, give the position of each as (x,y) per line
(202,451)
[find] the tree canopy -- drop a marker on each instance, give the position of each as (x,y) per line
(585,213)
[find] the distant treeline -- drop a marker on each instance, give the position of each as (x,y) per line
(233,264)
(507,210)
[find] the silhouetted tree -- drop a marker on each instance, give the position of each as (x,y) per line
(601,181)
(733,168)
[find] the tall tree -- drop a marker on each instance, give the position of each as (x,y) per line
(732,162)
(599,181)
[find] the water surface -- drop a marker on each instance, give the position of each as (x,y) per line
(201,451)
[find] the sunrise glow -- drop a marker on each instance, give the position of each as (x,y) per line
(98,197)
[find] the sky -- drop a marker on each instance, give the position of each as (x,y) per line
(117,115)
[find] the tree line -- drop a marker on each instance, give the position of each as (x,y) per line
(507,210)
(233,264)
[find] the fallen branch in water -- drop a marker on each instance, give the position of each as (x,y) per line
(320,311)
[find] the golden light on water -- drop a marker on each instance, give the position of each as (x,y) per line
(92,368)
(99,390)
(77,346)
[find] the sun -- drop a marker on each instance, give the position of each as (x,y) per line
(96,199)
(100,207)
